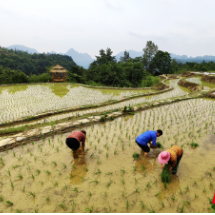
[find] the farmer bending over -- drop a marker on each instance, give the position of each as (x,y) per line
(172,156)
(148,137)
(73,142)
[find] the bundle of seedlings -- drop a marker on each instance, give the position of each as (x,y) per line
(165,175)
(128,109)
(136,156)
(159,145)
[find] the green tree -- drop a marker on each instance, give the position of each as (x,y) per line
(105,57)
(125,57)
(149,52)
(174,66)
(161,63)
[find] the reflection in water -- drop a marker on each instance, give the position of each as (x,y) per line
(79,171)
(172,187)
(60,89)
(13,89)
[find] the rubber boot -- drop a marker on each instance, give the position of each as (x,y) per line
(75,154)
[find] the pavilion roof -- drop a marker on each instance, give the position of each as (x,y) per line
(59,69)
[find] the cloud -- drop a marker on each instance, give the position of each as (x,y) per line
(113,5)
(151,36)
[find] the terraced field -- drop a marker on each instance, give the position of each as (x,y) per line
(42,176)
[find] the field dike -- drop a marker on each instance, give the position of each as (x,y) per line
(208,78)
(192,86)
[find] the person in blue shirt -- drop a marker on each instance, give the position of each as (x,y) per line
(148,137)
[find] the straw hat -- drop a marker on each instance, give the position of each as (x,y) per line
(163,157)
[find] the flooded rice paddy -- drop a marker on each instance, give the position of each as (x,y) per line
(12,114)
(206,85)
(28,100)
(43,176)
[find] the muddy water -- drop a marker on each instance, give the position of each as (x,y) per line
(123,184)
(27,100)
(206,85)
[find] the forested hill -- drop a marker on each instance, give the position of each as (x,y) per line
(32,64)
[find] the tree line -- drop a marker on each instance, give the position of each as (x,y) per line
(21,67)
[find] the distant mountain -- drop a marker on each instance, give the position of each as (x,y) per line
(82,59)
(23,48)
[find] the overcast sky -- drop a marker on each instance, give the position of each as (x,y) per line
(177,26)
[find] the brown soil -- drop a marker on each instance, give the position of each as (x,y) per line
(173,77)
(208,78)
(192,86)
(160,86)
(211,94)
(162,77)
(187,74)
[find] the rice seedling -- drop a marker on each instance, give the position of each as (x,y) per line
(165,176)
(32,194)
(122,171)
(65,187)
(98,172)
(136,156)
(8,203)
(1,199)
(36,211)
(47,199)
(211,185)
(41,182)
(11,184)
(62,205)
(195,183)
(55,164)
(18,211)
(86,169)
(137,190)
(75,189)
(148,185)
(195,197)
(107,155)
(123,181)
(162,204)
(127,205)
(55,184)
(204,190)
(73,206)
(173,197)
(47,172)
(181,209)
(43,162)
(98,161)
(19,176)
(187,189)
(134,168)
(159,145)
(105,194)
(143,167)
(152,210)
(32,176)
(1,161)
(96,182)
(92,155)
(23,189)
(59,173)
(14,154)
(115,151)
(143,206)
(90,194)
(158,193)
(109,173)
(109,183)
(15,166)
(89,210)
(194,145)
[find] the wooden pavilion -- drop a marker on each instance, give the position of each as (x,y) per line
(58,73)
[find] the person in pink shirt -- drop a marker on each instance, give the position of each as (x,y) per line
(73,142)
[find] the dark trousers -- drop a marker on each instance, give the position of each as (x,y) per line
(175,169)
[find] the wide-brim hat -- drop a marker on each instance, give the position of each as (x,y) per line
(163,157)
